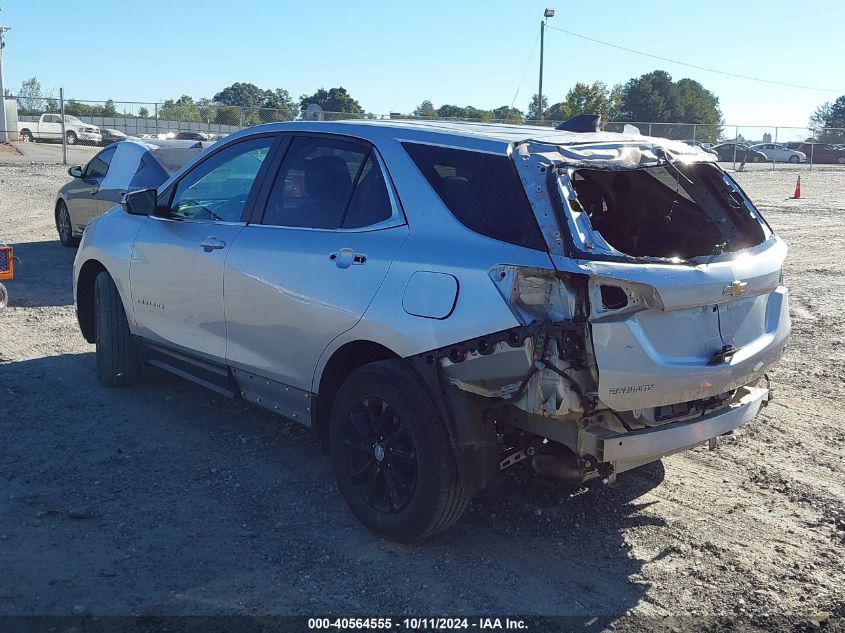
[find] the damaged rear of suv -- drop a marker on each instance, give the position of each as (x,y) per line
(649,332)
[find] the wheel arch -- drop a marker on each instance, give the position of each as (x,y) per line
(342,362)
(85,306)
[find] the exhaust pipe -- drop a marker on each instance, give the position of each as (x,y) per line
(552,466)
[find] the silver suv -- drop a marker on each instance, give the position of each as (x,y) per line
(439,302)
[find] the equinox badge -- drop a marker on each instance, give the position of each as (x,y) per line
(735,289)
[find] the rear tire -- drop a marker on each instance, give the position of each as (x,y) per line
(64,226)
(4,296)
(27,136)
(392,455)
(117,360)
(841,160)
(71,138)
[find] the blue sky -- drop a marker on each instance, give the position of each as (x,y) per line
(392,55)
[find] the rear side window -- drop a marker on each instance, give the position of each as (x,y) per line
(328,183)
(483,192)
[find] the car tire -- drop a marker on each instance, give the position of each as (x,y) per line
(392,455)
(794,159)
(755,159)
(841,160)
(27,137)
(117,360)
(4,296)
(71,137)
(64,226)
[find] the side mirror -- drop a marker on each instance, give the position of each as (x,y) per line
(143,202)
(75,171)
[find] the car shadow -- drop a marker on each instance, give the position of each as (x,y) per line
(171,496)
(43,274)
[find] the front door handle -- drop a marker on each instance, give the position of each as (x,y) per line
(345,257)
(212,244)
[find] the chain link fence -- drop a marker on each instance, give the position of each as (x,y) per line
(88,122)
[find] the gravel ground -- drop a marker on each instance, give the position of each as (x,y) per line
(165,499)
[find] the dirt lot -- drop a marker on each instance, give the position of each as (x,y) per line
(164,499)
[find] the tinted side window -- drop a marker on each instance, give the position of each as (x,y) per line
(315,182)
(370,203)
(99,165)
(217,188)
(483,192)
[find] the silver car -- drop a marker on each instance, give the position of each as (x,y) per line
(441,301)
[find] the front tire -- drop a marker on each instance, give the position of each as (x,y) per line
(392,455)
(4,296)
(117,360)
(755,159)
(794,159)
(64,226)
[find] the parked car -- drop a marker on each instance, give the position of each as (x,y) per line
(49,128)
(780,153)
(707,147)
(192,136)
(112,136)
(119,168)
(743,153)
(821,152)
(440,301)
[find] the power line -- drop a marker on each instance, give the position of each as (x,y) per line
(705,68)
(524,70)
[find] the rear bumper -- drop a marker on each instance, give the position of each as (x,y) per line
(629,450)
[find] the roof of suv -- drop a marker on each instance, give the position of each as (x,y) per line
(457,133)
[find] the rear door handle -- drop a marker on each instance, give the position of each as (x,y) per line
(212,244)
(345,257)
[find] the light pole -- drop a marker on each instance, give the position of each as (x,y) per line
(548,13)
(4,126)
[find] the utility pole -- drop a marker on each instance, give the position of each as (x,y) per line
(548,13)
(4,125)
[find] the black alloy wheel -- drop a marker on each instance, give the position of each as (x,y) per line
(380,455)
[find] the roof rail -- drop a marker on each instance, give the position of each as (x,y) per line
(581,123)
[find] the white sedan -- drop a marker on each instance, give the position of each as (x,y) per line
(780,154)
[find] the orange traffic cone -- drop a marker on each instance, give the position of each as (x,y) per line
(797,193)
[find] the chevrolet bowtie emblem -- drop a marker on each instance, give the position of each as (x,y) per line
(735,289)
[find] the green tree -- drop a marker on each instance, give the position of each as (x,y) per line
(448,111)
(143,112)
(828,122)
(533,111)
(109,109)
(30,97)
(260,105)
(654,97)
(244,95)
(508,114)
(478,114)
(182,109)
(279,106)
(426,110)
(332,100)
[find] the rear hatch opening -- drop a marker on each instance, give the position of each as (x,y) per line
(674,211)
